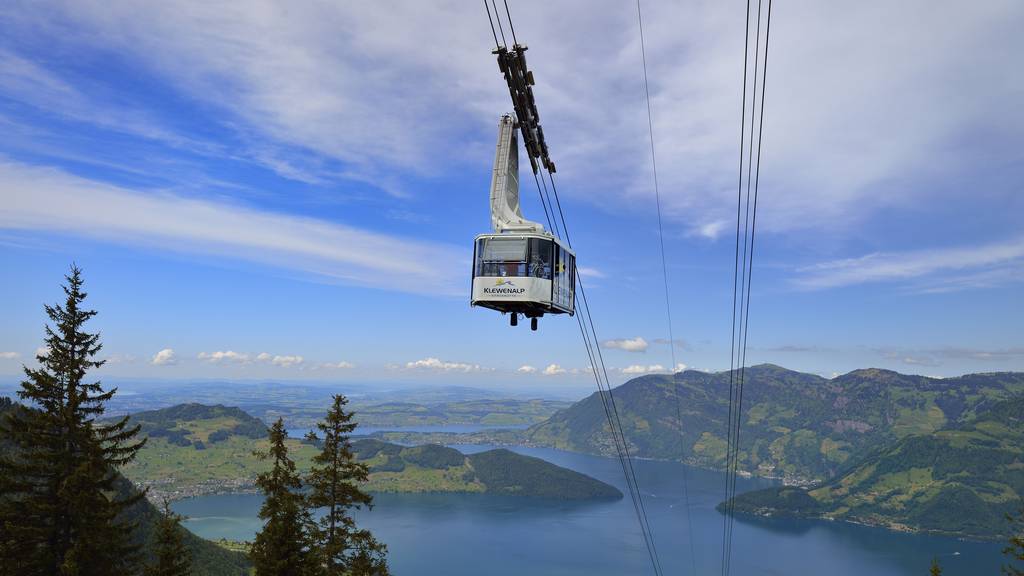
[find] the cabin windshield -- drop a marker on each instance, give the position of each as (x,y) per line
(514,257)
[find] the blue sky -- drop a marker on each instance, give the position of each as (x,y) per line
(283,191)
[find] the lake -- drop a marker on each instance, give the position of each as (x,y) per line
(437,428)
(472,534)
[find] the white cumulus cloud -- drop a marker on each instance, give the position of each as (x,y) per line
(115,359)
(437,364)
(342,365)
(637,344)
(947,268)
(224,357)
(283,361)
(526,369)
(554,370)
(9,355)
(286,361)
(641,369)
(165,357)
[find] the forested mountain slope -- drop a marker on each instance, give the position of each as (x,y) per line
(798,426)
(209,559)
(960,480)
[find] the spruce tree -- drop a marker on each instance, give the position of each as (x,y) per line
(333,485)
(282,547)
(170,556)
(60,506)
(1015,546)
(936,569)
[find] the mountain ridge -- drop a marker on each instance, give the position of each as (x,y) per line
(799,427)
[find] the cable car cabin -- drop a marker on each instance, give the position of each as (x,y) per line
(531,274)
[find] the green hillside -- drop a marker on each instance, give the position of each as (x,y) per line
(183,460)
(433,468)
(209,559)
(797,426)
(960,480)
(198,424)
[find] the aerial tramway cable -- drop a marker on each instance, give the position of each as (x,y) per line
(668,304)
(743,270)
(537,148)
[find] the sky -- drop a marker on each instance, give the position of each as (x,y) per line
(289,191)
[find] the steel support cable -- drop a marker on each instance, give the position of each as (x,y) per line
(731,496)
(611,413)
(491,21)
(542,202)
(614,425)
(750,223)
(583,294)
(730,502)
(619,440)
(664,276)
(615,422)
(618,425)
(753,224)
(600,357)
(510,27)
(550,203)
(500,27)
(735,286)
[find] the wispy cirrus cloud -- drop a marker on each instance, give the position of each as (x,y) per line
(980,354)
(9,355)
(51,200)
(932,357)
(32,84)
(909,358)
(340,365)
(679,343)
(933,269)
(292,74)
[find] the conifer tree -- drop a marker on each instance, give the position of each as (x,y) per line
(170,556)
(1015,545)
(936,569)
(333,485)
(282,547)
(60,505)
